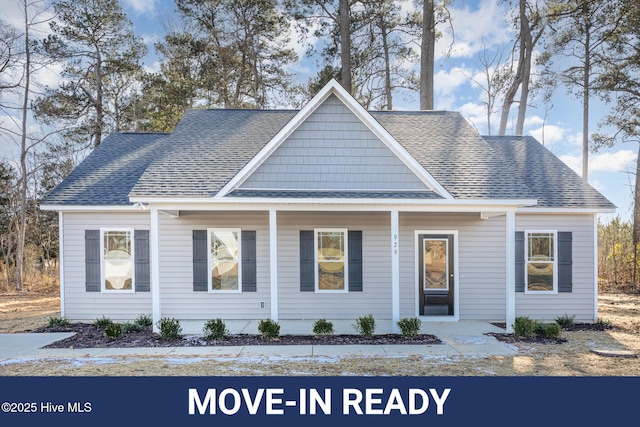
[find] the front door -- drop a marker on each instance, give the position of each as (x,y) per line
(436,292)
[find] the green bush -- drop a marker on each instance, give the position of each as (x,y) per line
(525,327)
(143,320)
(102,322)
(551,330)
(565,320)
(269,329)
(323,327)
(113,330)
(365,325)
(170,328)
(215,329)
(58,321)
(128,327)
(409,326)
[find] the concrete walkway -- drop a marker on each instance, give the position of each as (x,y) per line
(460,339)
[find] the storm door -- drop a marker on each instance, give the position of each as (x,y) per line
(435,258)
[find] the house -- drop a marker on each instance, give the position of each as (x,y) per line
(329,211)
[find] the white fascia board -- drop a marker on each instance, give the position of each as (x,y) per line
(364,205)
(334,88)
(543,210)
(79,208)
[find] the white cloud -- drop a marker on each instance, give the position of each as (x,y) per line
(446,82)
(474,30)
(549,134)
(141,6)
(604,162)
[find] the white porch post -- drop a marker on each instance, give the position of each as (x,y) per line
(395,271)
(61,259)
(511,269)
(155,268)
(273,262)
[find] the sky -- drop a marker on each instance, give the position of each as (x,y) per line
(478,25)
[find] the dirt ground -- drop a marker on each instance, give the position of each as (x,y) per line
(571,358)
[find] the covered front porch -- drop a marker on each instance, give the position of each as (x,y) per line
(395,262)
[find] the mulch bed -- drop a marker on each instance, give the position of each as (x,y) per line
(541,339)
(90,336)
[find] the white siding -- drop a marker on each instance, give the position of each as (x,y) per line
(375,297)
(579,302)
(482,257)
(87,306)
(333,150)
(178,299)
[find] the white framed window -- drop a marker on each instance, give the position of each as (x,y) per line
(331,266)
(224,260)
(117,266)
(541,261)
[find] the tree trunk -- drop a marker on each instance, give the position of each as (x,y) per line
(99,108)
(585,95)
(427,55)
(387,66)
(22,221)
(344,25)
(636,221)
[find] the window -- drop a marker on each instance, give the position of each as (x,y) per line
(224,250)
(330,256)
(117,260)
(541,262)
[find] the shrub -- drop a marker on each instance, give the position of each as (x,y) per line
(113,330)
(102,322)
(551,330)
(143,320)
(365,325)
(525,327)
(215,329)
(602,322)
(409,327)
(269,329)
(565,320)
(170,328)
(58,321)
(323,327)
(128,327)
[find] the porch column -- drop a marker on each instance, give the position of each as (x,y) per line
(273,262)
(511,269)
(61,260)
(155,267)
(395,271)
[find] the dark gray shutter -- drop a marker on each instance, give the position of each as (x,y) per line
(200,261)
(520,264)
(92,260)
(307,262)
(355,261)
(142,263)
(565,261)
(248,261)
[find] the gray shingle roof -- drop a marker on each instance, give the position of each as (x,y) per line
(209,147)
(453,152)
(553,183)
(109,173)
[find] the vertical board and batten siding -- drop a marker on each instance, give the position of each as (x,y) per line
(79,304)
(580,301)
(333,150)
(178,299)
(375,297)
(481,262)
